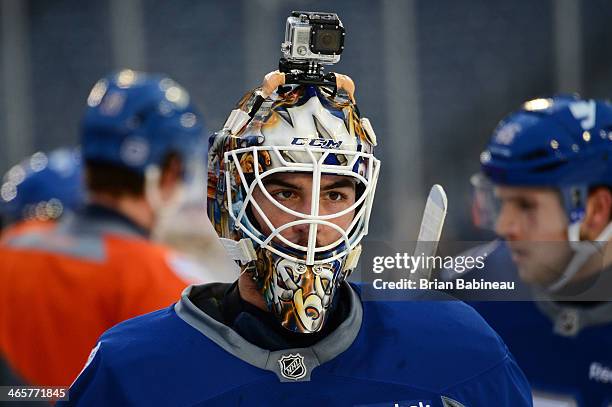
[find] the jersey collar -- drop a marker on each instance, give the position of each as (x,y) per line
(290,365)
(99,219)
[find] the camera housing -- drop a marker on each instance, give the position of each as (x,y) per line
(313,37)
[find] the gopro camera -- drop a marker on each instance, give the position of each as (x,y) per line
(313,37)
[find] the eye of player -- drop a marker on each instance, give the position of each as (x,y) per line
(525,204)
(516,201)
(338,191)
(335,196)
(283,190)
(284,195)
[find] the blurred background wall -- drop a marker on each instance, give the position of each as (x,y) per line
(434,77)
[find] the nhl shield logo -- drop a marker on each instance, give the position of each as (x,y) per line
(292,366)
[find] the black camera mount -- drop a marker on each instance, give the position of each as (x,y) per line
(307,73)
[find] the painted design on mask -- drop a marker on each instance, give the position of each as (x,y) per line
(298,295)
(303,130)
(248,166)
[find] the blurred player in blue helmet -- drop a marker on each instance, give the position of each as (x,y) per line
(143,130)
(41,189)
(546,189)
(291,182)
(139,136)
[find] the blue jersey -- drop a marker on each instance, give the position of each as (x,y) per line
(572,368)
(437,354)
(564,349)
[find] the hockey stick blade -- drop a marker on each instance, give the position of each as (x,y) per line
(431,228)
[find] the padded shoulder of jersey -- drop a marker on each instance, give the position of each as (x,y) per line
(442,341)
(417,343)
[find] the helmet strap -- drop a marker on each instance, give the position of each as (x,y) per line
(583,250)
(351,261)
(241,251)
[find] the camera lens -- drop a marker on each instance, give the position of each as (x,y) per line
(327,41)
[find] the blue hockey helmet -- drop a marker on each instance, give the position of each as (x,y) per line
(135,119)
(43,186)
(563,142)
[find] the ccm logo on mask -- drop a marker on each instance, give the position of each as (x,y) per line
(316,142)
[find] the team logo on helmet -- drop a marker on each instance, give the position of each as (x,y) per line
(134,151)
(584,111)
(292,366)
(506,134)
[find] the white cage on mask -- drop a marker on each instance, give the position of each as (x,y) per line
(284,162)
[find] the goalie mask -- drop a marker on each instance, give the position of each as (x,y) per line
(290,188)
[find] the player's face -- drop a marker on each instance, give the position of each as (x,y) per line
(301,295)
(534,224)
(294,191)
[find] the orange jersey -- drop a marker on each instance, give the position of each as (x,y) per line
(62,287)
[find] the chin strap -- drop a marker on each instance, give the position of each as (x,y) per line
(583,250)
(352,259)
(241,250)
